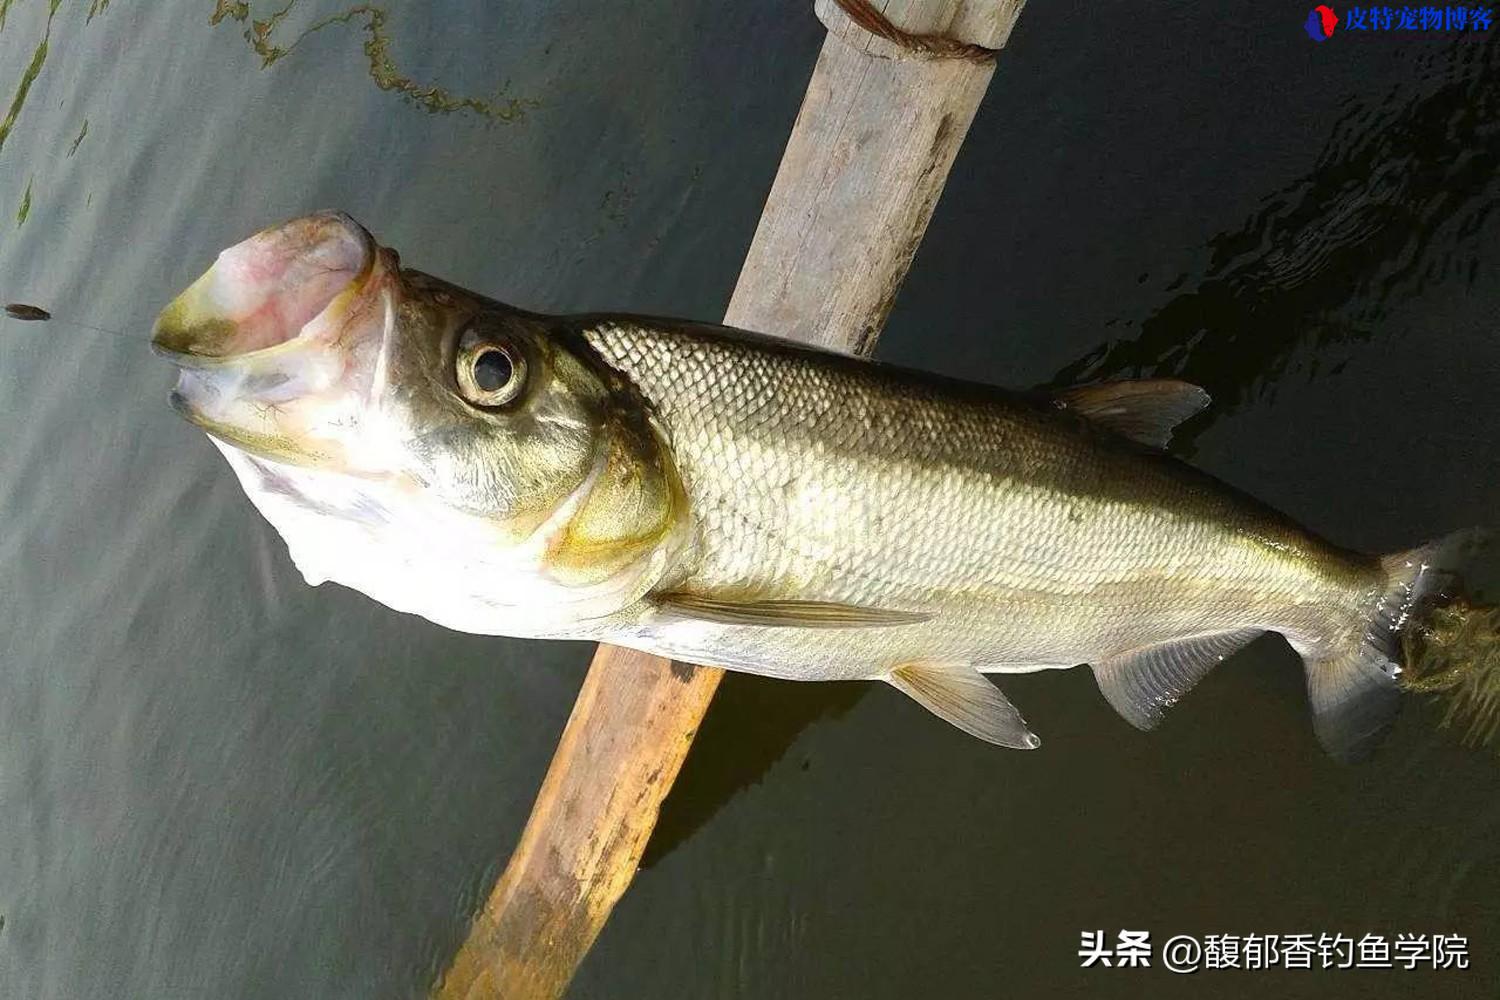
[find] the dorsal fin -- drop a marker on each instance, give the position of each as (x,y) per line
(1144,410)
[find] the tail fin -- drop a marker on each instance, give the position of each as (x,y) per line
(1355,695)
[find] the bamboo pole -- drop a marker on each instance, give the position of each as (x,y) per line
(866,161)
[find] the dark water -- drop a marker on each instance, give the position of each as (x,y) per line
(217,782)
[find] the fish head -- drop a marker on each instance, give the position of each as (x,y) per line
(439,451)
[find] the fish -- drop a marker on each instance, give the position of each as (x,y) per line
(728,498)
(22,311)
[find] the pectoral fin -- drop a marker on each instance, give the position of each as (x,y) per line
(961,695)
(1144,410)
(1144,683)
(786,614)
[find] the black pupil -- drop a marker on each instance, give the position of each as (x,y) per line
(492,371)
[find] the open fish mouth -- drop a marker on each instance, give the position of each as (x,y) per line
(276,345)
(283,284)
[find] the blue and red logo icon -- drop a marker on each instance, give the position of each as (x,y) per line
(1321,21)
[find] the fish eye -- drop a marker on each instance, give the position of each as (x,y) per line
(492,370)
(490,374)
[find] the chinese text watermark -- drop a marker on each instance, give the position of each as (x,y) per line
(1188,953)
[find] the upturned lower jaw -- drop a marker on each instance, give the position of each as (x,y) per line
(323,294)
(268,292)
(250,390)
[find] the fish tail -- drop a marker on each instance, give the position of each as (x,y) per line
(1355,693)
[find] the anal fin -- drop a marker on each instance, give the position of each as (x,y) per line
(961,695)
(1143,683)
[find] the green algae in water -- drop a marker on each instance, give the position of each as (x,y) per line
(32,70)
(79,141)
(25,209)
(382,68)
(27,79)
(1455,658)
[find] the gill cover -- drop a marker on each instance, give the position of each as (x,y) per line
(571,464)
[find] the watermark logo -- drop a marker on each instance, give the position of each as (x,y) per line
(1185,954)
(1321,21)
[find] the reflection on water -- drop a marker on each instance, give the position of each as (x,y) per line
(1396,197)
(261,36)
(752,723)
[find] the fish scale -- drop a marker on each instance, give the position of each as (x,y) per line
(1036,539)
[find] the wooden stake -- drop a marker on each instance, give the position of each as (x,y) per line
(866,161)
